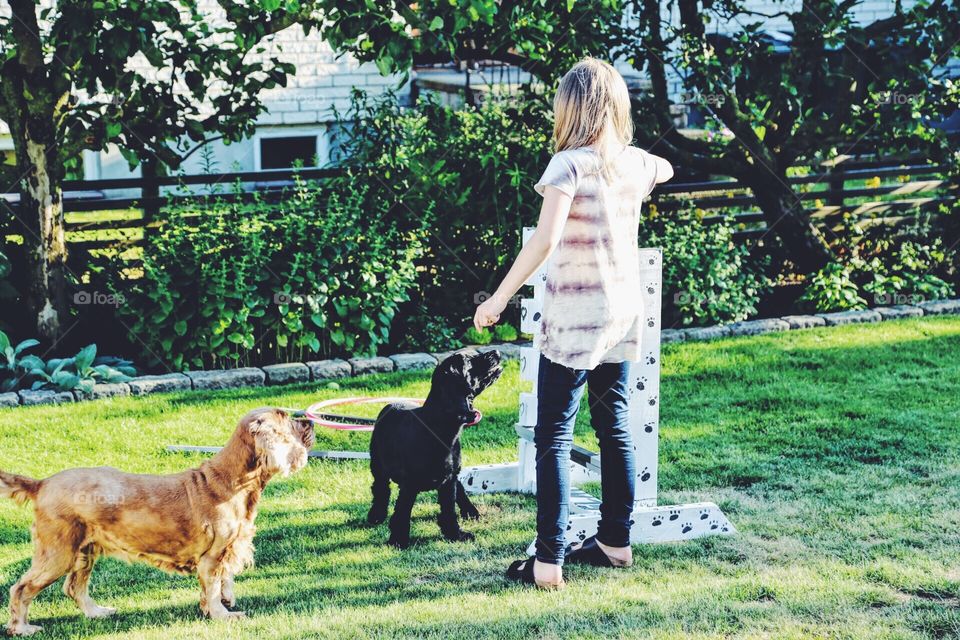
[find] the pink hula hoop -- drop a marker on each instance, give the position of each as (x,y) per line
(315,412)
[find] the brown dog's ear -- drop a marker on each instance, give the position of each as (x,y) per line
(304,429)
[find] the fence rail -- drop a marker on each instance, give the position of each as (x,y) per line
(867,189)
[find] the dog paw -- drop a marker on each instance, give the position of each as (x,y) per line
(23,629)
(470,514)
(460,536)
(376,517)
(99,612)
(227,615)
(399,542)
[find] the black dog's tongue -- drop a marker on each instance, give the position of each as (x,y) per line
(477,416)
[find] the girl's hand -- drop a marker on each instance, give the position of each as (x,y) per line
(488,312)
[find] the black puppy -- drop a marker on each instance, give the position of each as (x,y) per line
(419,447)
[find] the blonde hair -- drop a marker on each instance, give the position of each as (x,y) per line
(592,107)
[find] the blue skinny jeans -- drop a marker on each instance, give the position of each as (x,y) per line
(559,391)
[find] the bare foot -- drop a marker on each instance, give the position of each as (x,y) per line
(548,576)
(619,556)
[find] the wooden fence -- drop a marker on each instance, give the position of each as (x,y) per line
(871,191)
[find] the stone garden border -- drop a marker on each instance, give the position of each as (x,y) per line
(327,370)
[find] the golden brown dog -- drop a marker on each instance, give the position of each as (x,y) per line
(201,520)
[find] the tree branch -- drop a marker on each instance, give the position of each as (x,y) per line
(729,107)
(265,23)
(676,147)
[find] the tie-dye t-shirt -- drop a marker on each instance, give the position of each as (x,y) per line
(592,308)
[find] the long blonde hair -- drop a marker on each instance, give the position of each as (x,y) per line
(592,108)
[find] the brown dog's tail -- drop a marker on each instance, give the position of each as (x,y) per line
(19,488)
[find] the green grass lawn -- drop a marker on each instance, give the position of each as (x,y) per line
(835,452)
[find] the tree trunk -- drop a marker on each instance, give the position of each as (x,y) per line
(32,97)
(41,211)
(786,216)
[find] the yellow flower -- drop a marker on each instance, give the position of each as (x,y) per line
(873,182)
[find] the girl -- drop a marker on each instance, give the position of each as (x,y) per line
(591,321)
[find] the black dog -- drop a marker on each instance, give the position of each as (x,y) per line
(419,447)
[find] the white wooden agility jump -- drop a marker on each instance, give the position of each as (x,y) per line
(651,522)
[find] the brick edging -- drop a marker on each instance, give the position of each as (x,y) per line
(246,377)
(334,369)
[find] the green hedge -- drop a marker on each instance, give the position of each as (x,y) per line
(319,274)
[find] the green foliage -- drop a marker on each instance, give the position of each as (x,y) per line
(833,289)
(505,332)
(194,77)
(426,333)
(227,283)
(481,337)
(884,266)
(467,174)
(707,277)
(14,365)
(19,370)
(839,83)
(910,277)
(542,37)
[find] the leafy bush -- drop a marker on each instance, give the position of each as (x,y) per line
(505,332)
(227,283)
(475,166)
(707,277)
(884,266)
(80,372)
(12,366)
(26,371)
(429,334)
(472,336)
(832,289)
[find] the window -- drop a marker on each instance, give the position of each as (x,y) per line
(283,152)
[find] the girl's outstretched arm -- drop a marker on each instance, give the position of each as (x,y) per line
(553,215)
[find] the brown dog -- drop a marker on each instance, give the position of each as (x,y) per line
(199,520)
